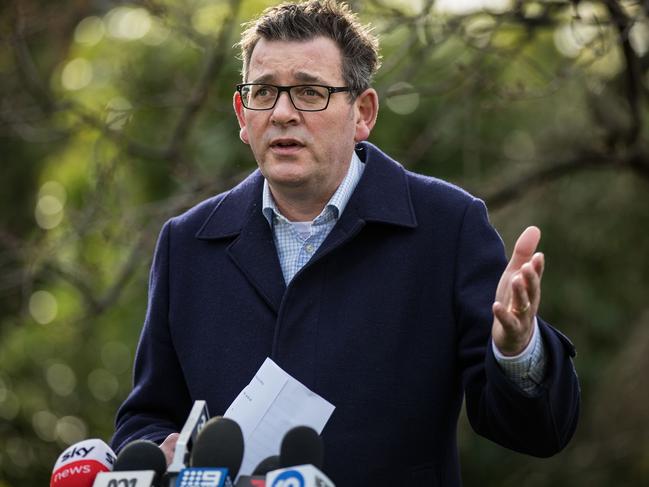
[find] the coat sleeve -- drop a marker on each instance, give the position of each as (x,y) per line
(159,401)
(539,425)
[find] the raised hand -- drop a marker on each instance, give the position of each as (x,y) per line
(518,295)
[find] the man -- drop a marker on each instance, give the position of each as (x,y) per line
(371,285)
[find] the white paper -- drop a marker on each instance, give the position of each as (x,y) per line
(268,407)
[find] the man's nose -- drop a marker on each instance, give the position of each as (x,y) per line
(284,111)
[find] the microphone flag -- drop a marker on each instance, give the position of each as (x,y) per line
(203,477)
(140,478)
(80,463)
(299,476)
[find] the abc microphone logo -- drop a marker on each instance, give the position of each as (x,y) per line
(290,478)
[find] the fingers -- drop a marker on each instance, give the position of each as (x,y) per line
(505,317)
(531,273)
(520,302)
(514,317)
(518,295)
(525,247)
(168,446)
(510,335)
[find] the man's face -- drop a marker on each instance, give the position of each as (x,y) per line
(298,151)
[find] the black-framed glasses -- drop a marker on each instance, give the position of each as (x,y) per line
(306,98)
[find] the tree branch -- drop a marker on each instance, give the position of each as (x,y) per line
(633,69)
(510,191)
(214,64)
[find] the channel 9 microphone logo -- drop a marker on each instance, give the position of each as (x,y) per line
(202,477)
(290,478)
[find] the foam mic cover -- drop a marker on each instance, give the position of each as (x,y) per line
(258,477)
(267,465)
(219,444)
(142,455)
(79,464)
(301,446)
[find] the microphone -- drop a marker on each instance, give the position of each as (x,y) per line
(79,464)
(267,465)
(258,477)
(301,445)
(301,458)
(300,475)
(198,417)
(140,464)
(216,456)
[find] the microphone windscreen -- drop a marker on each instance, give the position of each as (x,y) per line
(80,463)
(141,455)
(301,446)
(267,465)
(219,444)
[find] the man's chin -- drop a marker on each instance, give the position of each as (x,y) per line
(285,172)
(289,182)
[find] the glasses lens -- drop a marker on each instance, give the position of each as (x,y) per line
(307,97)
(258,96)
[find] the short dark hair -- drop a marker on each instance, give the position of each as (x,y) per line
(314,18)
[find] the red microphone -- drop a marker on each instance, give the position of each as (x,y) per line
(79,464)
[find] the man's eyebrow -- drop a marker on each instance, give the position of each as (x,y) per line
(266,78)
(307,78)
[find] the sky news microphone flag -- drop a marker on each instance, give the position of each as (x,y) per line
(81,463)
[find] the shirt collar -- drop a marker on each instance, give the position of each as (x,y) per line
(336,203)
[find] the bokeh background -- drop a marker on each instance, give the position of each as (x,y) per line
(115,116)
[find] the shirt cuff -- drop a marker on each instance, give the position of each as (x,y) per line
(527,369)
(525,355)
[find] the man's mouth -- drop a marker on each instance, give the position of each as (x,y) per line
(286,145)
(286,142)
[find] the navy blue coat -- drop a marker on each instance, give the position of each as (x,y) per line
(390,321)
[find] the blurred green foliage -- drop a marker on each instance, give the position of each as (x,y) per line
(115,116)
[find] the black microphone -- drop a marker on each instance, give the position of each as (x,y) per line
(141,463)
(140,455)
(220,444)
(216,455)
(301,446)
(266,465)
(301,458)
(258,477)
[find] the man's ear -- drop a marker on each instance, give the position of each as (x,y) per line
(238,110)
(367,109)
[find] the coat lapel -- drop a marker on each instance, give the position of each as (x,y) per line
(382,196)
(252,250)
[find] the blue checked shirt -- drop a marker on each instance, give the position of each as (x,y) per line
(296,242)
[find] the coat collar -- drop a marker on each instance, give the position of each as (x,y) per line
(382,196)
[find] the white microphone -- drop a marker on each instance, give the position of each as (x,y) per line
(79,465)
(198,416)
(298,476)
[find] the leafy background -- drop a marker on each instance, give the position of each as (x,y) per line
(115,116)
